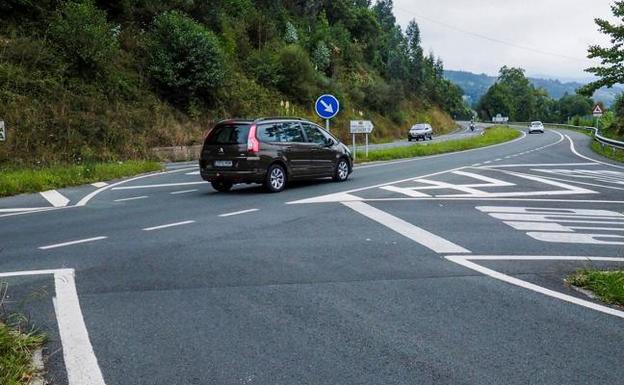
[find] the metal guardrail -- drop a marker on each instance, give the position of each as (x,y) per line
(596,133)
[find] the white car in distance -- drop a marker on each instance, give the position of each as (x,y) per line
(422,131)
(536,127)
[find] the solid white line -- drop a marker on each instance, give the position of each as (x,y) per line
(23,209)
(33,272)
(541,165)
(157,185)
(80,360)
(238,213)
(416,234)
(87,198)
(99,184)
(352,198)
(462,260)
(573,149)
(193,173)
(131,199)
(183,192)
(346,195)
(55,198)
(579,182)
(168,225)
(12,214)
(71,243)
(539,258)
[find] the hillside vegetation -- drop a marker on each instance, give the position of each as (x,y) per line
(84,81)
(514,96)
(476,85)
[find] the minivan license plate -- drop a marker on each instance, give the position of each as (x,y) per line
(223,163)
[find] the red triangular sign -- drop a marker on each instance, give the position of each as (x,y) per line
(597,109)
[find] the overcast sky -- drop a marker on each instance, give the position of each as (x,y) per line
(563,28)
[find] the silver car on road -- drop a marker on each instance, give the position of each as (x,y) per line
(422,131)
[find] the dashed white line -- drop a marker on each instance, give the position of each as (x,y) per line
(70,243)
(183,192)
(238,213)
(131,199)
(55,198)
(168,225)
(99,184)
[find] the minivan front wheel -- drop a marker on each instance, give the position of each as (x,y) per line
(275,179)
(221,185)
(342,171)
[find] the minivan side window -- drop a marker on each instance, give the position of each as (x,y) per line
(270,133)
(293,133)
(314,134)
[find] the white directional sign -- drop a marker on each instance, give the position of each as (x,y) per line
(597,111)
(361,127)
(500,119)
(2,131)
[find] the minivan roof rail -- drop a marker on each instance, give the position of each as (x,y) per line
(279,118)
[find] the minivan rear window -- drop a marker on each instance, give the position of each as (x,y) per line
(229,133)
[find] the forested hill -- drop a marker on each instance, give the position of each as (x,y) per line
(83,79)
(476,85)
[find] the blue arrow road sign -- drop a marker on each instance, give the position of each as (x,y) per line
(327,106)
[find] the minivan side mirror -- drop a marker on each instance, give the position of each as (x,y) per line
(329,142)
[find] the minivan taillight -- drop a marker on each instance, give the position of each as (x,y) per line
(253,145)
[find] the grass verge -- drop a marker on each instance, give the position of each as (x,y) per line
(17,181)
(607,285)
(16,351)
(608,152)
(492,136)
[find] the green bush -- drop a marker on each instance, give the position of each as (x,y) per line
(298,74)
(186,61)
(265,67)
(87,41)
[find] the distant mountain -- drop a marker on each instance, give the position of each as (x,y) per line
(476,85)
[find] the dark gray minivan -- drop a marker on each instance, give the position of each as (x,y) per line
(271,151)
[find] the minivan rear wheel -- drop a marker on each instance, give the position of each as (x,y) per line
(275,179)
(221,185)
(341,173)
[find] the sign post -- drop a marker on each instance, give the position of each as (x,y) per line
(361,127)
(327,107)
(2,131)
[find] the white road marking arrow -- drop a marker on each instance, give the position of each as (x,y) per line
(328,107)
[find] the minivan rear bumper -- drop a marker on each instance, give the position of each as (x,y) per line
(247,175)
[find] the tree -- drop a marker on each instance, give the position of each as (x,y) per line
(85,38)
(415,55)
(321,56)
(185,59)
(521,92)
(497,100)
(612,58)
(291,36)
(570,106)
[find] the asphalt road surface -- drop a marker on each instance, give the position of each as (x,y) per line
(440,270)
